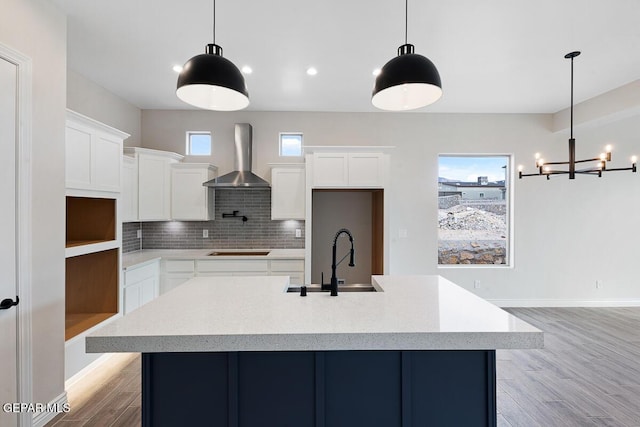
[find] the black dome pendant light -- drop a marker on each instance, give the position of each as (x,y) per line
(212,82)
(408,81)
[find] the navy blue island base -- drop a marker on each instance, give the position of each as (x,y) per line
(320,389)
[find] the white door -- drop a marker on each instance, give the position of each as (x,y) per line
(8,259)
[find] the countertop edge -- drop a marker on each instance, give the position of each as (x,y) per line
(318,342)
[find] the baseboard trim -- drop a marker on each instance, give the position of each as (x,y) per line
(565,303)
(41,418)
(78,376)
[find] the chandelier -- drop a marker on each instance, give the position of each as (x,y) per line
(593,166)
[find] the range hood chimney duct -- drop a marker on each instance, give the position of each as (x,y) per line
(241,177)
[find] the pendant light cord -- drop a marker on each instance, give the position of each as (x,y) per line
(214,21)
(571,98)
(406,20)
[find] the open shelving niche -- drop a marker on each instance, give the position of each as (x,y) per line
(92,263)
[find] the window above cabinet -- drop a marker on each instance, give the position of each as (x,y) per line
(198,143)
(290,144)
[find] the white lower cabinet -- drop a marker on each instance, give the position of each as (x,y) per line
(175,273)
(235,267)
(141,285)
(294,268)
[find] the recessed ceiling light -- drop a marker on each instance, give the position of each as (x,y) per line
(177,68)
(376,72)
(312,71)
(247,70)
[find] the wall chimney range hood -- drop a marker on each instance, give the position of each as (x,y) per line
(241,177)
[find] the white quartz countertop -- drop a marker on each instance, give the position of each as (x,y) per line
(133,259)
(256,314)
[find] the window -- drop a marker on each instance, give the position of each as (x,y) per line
(290,144)
(198,143)
(474,209)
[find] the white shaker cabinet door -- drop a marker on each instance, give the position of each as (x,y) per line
(366,170)
(141,285)
(149,290)
(288,193)
(93,154)
(349,170)
(330,170)
(129,189)
(107,154)
(78,156)
(190,200)
(154,188)
(131,298)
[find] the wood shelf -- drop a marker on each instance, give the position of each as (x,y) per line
(90,220)
(77,323)
(74,243)
(88,247)
(91,290)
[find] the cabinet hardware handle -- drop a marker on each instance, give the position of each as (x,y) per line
(7,303)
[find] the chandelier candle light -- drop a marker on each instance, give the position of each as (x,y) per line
(596,165)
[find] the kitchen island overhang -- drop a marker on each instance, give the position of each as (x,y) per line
(420,350)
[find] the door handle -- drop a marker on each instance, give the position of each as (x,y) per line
(7,303)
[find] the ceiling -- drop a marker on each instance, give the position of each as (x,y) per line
(494,56)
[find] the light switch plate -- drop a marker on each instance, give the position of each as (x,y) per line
(205,234)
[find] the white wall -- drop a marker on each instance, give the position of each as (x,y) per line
(88,98)
(567,234)
(38,30)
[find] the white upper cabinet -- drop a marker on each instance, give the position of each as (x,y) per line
(190,200)
(154,187)
(349,170)
(366,169)
(154,182)
(93,154)
(129,189)
(288,191)
(330,170)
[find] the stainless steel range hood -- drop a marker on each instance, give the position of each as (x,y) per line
(241,177)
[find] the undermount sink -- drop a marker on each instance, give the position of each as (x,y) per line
(350,287)
(238,253)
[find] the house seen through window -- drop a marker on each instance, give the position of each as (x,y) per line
(473,209)
(198,143)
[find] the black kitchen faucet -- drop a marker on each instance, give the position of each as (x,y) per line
(333,286)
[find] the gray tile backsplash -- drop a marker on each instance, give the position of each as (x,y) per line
(130,240)
(259,231)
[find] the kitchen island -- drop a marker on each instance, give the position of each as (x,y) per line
(241,351)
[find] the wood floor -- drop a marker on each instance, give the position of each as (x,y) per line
(109,396)
(588,374)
